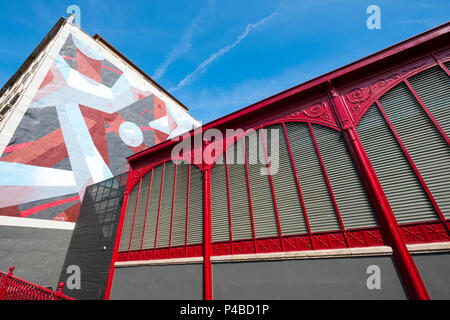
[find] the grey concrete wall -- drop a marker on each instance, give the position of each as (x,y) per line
(170,282)
(434,269)
(331,278)
(38,254)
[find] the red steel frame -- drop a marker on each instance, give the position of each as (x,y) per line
(207,269)
(413,166)
(230,226)
(330,189)
(171,210)
(134,216)
(386,218)
(271,187)
(436,124)
(294,169)
(389,231)
(249,196)
(146,208)
(159,205)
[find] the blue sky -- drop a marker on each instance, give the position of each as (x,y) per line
(217,56)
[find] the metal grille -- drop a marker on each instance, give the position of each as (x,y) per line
(433,88)
(153,208)
(165,213)
(141,210)
(319,206)
(180,206)
(260,190)
(427,148)
(195,219)
(402,188)
(447,64)
(128,220)
(351,198)
(220,226)
(241,223)
(289,207)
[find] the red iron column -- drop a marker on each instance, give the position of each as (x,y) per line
(207,272)
(390,229)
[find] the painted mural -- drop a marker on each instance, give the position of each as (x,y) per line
(85,119)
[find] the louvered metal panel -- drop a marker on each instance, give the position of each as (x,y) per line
(352,201)
(447,64)
(128,220)
(139,219)
(195,218)
(220,226)
(287,196)
(402,188)
(318,203)
(264,216)
(241,223)
(433,88)
(180,206)
(428,149)
(165,213)
(153,207)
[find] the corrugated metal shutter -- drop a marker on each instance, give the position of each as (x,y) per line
(264,216)
(153,206)
(290,213)
(427,148)
(139,219)
(447,64)
(195,218)
(352,201)
(180,206)
(241,223)
(402,188)
(128,220)
(433,88)
(319,206)
(165,213)
(220,226)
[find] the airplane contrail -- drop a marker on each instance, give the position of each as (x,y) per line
(202,67)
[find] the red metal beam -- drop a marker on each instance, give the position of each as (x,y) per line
(271,188)
(228,194)
(187,209)
(134,216)
(207,248)
(159,206)
(146,210)
(330,189)
(291,157)
(405,263)
(173,202)
(427,111)
(249,193)
(413,165)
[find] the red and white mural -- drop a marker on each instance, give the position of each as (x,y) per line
(87,116)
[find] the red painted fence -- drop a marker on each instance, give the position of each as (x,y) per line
(13,288)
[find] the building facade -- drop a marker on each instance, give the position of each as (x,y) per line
(69,118)
(310,194)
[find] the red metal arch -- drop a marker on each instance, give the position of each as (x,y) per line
(136,175)
(359,100)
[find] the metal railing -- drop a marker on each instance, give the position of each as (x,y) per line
(13,288)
